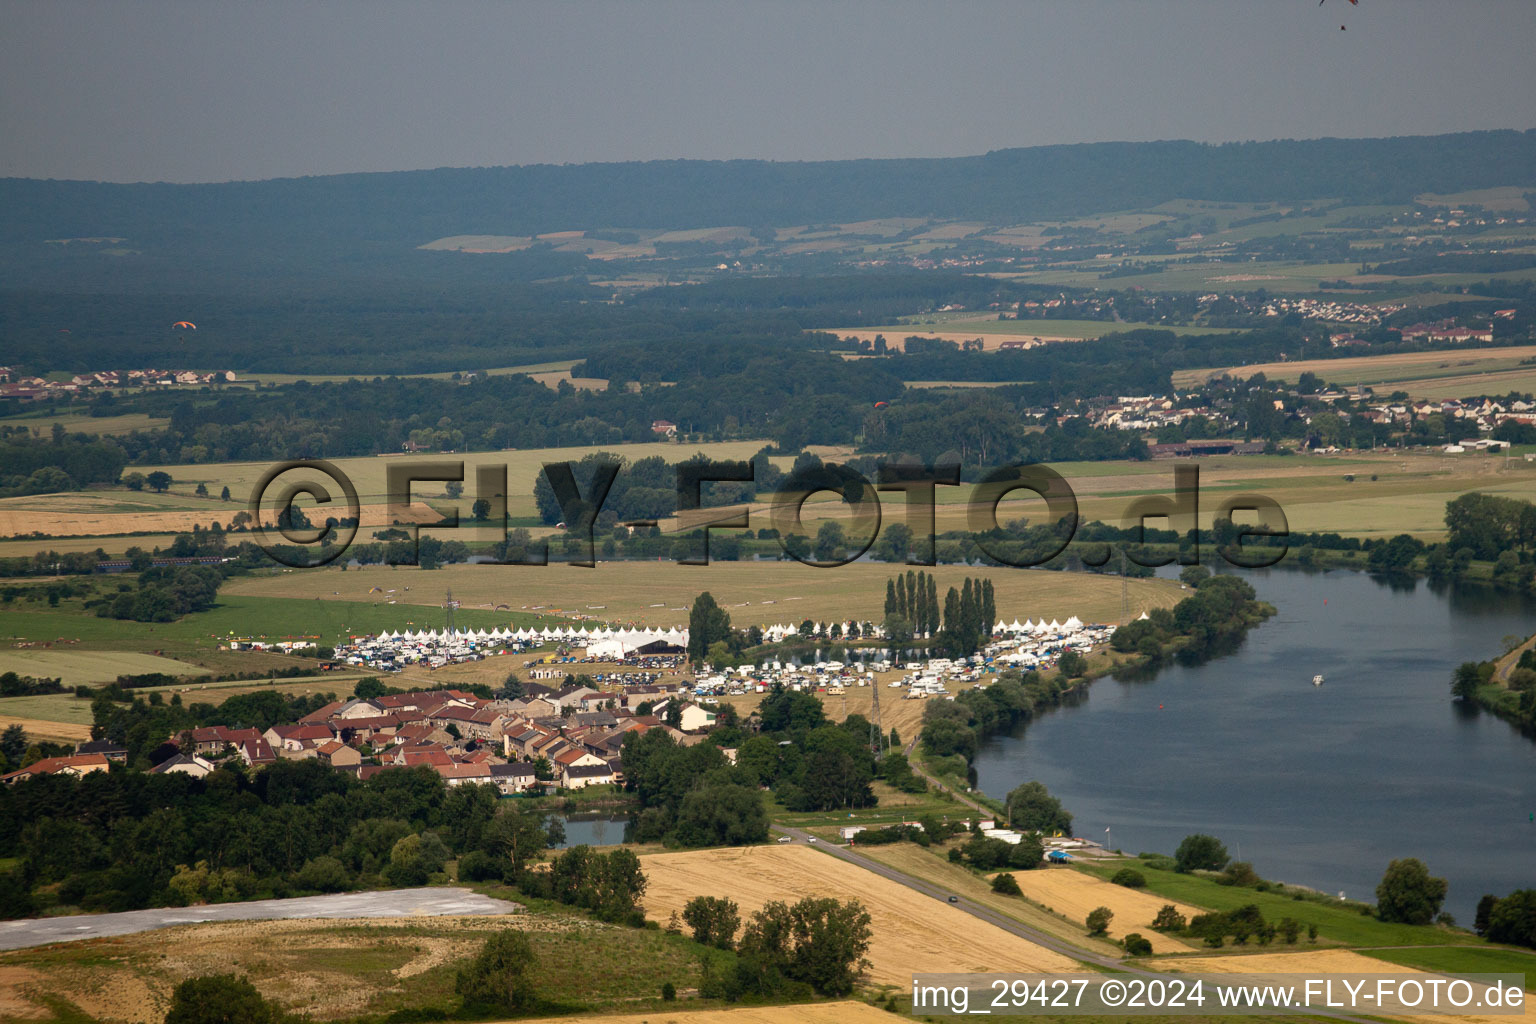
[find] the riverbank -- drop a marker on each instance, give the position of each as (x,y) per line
(1508,692)
(1322,785)
(1211,621)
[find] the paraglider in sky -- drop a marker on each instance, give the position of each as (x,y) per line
(1352,3)
(881,405)
(185,325)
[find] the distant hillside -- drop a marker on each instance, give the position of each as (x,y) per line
(1007,186)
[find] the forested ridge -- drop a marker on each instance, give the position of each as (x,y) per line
(1011,185)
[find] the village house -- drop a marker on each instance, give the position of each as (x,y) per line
(214,738)
(185,764)
(74,764)
(106,748)
(297,738)
(582,776)
(513,778)
(457,774)
(256,752)
(338,755)
(694,718)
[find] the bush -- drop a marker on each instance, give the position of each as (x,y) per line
(479,866)
(1137,945)
(1169,919)
(1513,918)
(668,991)
(1407,894)
(324,874)
(219,999)
(1200,853)
(1098,920)
(714,921)
(1240,872)
(500,978)
(1130,878)
(1007,885)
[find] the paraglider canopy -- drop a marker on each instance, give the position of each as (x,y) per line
(881,405)
(185,325)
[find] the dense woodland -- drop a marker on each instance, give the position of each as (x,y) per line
(1009,186)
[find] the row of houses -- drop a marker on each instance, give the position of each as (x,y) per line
(1361,313)
(576,731)
(14,385)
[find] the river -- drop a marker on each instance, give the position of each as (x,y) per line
(1320,786)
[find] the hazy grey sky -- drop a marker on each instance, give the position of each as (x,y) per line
(200,90)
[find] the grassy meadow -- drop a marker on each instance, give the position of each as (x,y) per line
(659,593)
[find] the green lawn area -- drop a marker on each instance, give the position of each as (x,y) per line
(241,615)
(1338,924)
(894,807)
(1464,960)
(78,423)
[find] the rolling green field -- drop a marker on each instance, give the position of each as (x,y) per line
(273,618)
(1464,960)
(659,593)
(77,666)
(77,423)
(1335,923)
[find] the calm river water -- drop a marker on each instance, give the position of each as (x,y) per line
(1316,785)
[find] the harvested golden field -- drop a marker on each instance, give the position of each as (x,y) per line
(912,932)
(1322,962)
(114,546)
(368,472)
(848,1010)
(659,593)
(114,513)
(1318,493)
(40,729)
(1387,369)
(1074,894)
(933,865)
(553,378)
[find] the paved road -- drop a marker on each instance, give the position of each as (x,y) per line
(1006,923)
(971,907)
(426,902)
